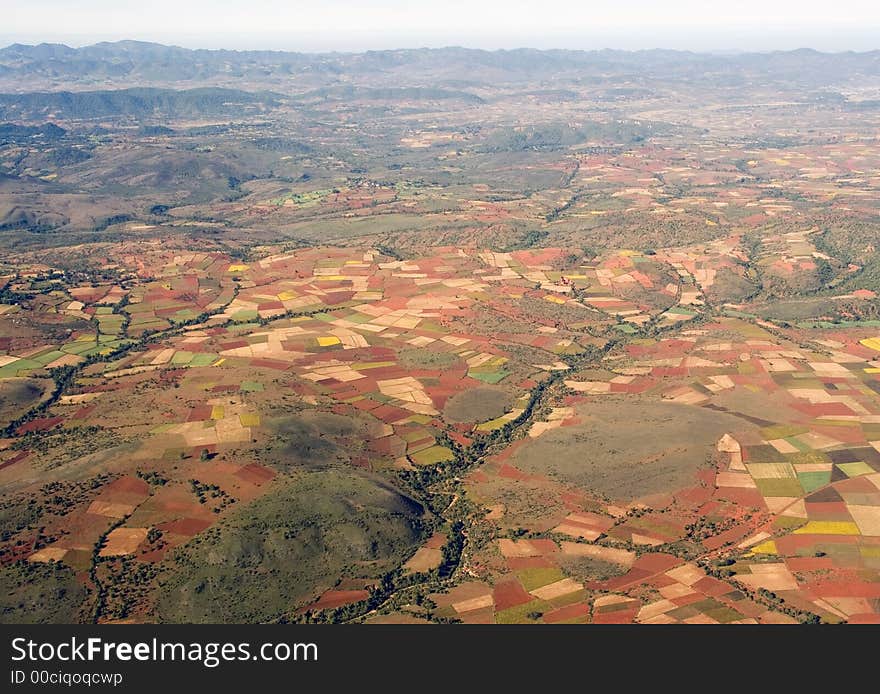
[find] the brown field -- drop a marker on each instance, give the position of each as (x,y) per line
(122,541)
(627,448)
(477,404)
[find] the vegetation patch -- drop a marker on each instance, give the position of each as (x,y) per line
(274,554)
(478,404)
(627,448)
(34,593)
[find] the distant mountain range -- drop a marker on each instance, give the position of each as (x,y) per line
(131,63)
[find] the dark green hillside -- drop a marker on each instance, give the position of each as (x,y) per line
(282,549)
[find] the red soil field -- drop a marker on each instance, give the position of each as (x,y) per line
(185,526)
(615,617)
(255,474)
(712,586)
(510,593)
(566,613)
(337,598)
(518,563)
(39,425)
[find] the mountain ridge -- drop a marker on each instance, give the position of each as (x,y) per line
(145,62)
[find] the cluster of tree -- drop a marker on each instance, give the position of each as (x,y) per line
(203,491)
(153,478)
(127,583)
(529,240)
(389,252)
(557,212)
(109,221)
(778,603)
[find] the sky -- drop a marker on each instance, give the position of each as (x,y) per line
(349,25)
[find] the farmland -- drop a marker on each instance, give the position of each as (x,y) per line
(607,353)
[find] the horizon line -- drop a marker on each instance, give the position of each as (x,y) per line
(356,51)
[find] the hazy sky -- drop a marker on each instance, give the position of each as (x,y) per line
(349,25)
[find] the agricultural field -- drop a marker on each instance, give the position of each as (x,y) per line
(607,353)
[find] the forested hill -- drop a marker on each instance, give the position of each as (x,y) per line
(135,102)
